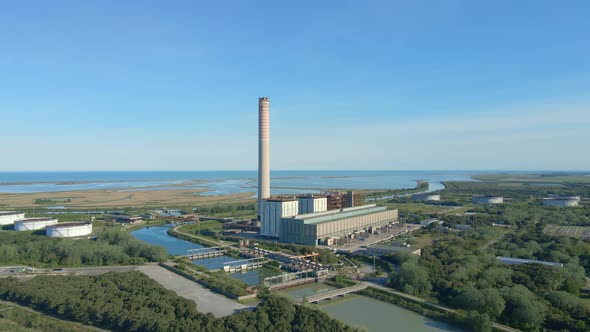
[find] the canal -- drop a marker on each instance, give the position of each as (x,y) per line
(367,313)
(158,235)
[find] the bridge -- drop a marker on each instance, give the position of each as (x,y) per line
(243,265)
(202,253)
(334,293)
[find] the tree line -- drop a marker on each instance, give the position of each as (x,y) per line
(133,302)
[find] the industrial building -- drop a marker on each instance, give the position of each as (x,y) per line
(562,201)
(312,203)
(425,197)
(31,224)
(485,199)
(69,229)
(9,217)
(337,199)
(324,227)
(273,210)
(123,219)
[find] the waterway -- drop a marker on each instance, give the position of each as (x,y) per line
(367,313)
(377,316)
(158,235)
(222,182)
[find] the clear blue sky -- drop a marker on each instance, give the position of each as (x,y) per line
(167,85)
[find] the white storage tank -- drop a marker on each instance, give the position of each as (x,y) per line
(426,197)
(31,224)
(69,229)
(565,201)
(488,199)
(9,217)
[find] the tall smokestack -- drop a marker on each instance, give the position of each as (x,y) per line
(263,151)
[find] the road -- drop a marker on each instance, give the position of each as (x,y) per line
(206,300)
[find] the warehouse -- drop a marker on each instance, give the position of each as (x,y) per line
(31,224)
(69,229)
(322,227)
(9,217)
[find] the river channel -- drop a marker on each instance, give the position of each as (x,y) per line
(367,313)
(158,235)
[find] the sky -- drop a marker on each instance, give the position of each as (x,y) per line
(387,85)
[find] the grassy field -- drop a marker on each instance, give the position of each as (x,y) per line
(93,199)
(420,208)
(577,232)
(535,178)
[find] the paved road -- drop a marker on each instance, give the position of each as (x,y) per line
(206,300)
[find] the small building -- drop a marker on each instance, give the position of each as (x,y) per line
(518,261)
(123,219)
(562,201)
(426,197)
(383,250)
(487,199)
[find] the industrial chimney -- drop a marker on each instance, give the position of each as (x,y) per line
(263,151)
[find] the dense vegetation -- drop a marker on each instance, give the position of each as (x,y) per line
(420,187)
(20,320)
(460,269)
(112,247)
(133,302)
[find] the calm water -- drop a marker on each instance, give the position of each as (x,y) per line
(223,182)
(158,235)
(377,316)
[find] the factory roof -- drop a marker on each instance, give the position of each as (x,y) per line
(563,198)
(333,215)
(312,196)
(8,213)
(70,224)
(281,199)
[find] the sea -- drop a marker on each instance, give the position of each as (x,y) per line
(224,182)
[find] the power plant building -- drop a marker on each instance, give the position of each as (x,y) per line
(312,203)
(273,210)
(338,200)
(31,224)
(319,228)
(9,217)
(69,229)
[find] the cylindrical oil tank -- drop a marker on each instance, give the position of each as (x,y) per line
(31,224)
(69,229)
(9,217)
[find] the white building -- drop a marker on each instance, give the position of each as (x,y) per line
(426,197)
(9,217)
(31,224)
(273,210)
(312,203)
(69,229)
(488,199)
